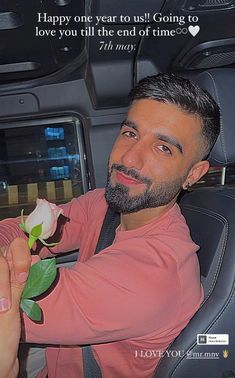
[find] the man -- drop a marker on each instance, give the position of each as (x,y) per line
(132,299)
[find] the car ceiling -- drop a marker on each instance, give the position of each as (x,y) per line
(30,60)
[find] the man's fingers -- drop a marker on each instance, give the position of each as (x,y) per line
(14,270)
(5,293)
(19,268)
(21,259)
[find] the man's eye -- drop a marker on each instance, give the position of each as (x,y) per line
(129,134)
(164,149)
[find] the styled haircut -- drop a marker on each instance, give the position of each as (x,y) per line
(189,97)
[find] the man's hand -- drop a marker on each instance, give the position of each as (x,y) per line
(15,263)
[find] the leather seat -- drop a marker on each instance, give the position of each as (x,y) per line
(210,214)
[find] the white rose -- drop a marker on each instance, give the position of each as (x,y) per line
(45,213)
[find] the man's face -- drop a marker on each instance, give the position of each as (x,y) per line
(152,156)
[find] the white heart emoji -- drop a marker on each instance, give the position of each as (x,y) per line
(194,29)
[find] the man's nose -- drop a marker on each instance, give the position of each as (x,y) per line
(134,156)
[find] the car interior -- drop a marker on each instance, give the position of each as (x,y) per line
(66,68)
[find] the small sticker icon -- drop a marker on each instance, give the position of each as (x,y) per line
(194,30)
(202,339)
(213,339)
(225,353)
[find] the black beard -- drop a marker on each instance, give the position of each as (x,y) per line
(118,197)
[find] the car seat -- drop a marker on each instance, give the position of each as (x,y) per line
(210,214)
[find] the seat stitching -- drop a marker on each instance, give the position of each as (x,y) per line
(209,327)
(223,221)
(221,119)
(224,240)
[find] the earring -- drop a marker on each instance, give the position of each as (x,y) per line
(187,186)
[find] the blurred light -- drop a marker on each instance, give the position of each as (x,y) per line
(62,3)
(66,48)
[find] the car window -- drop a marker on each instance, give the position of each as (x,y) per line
(40,158)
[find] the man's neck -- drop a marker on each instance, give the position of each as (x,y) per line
(140,218)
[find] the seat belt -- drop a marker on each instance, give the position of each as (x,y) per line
(107,234)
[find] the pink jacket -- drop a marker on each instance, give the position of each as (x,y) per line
(130,301)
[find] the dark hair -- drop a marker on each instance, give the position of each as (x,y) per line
(188,96)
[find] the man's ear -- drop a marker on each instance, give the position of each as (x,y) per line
(196,172)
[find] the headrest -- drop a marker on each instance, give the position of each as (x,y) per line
(220,83)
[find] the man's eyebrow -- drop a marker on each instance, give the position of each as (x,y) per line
(170,140)
(128,123)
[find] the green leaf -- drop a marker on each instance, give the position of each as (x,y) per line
(41,276)
(36,230)
(31,308)
(31,241)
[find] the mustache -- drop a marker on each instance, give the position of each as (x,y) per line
(131,172)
